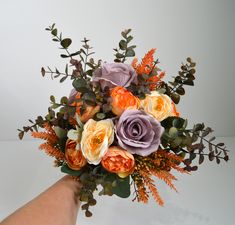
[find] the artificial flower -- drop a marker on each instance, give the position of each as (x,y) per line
(138,132)
(97,136)
(160,106)
(74,157)
(118,161)
(122,99)
(115,74)
(89,112)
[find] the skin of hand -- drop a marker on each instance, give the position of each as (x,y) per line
(58,205)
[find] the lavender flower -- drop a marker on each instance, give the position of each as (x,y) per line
(115,74)
(138,132)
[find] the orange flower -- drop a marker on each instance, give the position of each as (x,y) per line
(89,112)
(174,110)
(122,100)
(118,161)
(75,159)
(146,66)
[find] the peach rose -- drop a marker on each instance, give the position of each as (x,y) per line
(160,106)
(74,158)
(122,99)
(89,112)
(97,136)
(118,161)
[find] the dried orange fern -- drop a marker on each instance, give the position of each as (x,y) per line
(50,146)
(146,67)
(158,164)
(146,64)
(52,151)
(149,182)
(167,177)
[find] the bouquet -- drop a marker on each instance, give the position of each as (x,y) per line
(120,127)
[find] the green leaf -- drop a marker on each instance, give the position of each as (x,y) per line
(122,187)
(54,32)
(119,55)
(66,169)
(43,72)
(122,45)
(64,56)
(52,98)
(130,53)
(173,132)
(75,53)
(188,82)
(178,122)
(65,43)
(79,83)
(64,100)
(100,116)
(63,79)
(21,135)
(60,133)
(128,39)
(180,91)
(175,98)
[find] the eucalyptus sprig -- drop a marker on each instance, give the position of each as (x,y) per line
(64,42)
(124,50)
(191,142)
(38,123)
(186,76)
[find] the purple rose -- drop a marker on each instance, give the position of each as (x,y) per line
(138,132)
(115,74)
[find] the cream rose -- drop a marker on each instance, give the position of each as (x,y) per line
(97,136)
(160,106)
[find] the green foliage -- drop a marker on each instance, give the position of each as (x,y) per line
(186,76)
(121,187)
(124,49)
(67,170)
(181,140)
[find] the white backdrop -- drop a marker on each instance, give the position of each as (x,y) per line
(201,29)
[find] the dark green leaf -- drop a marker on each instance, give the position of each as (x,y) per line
(78,83)
(63,79)
(66,169)
(54,32)
(65,43)
(201,159)
(64,100)
(64,56)
(43,72)
(122,188)
(188,82)
(180,91)
(119,55)
(52,98)
(175,98)
(21,135)
(100,116)
(130,53)
(75,53)
(122,45)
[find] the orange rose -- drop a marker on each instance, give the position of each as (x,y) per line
(122,100)
(89,112)
(118,161)
(75,159)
